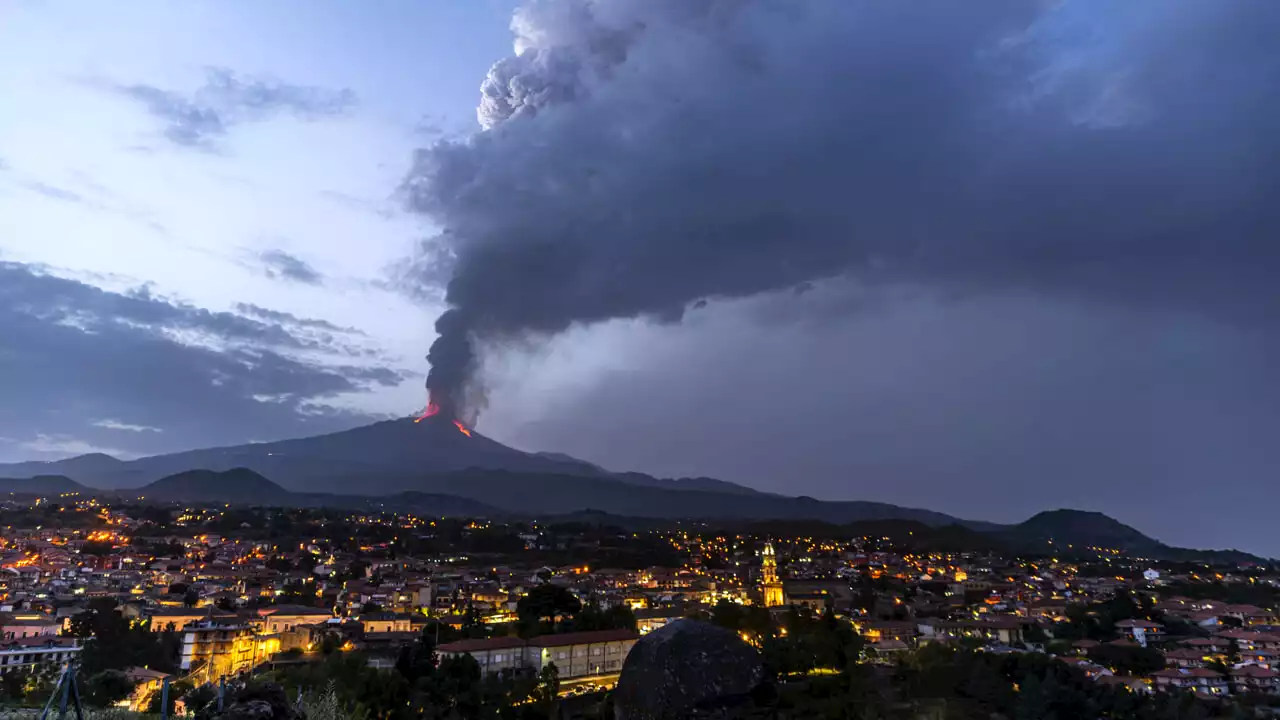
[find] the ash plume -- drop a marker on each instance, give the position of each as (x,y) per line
(642,156)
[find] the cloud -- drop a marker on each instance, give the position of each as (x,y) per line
(641,157)
(75,354)
(54,192)
(278,264)
(125,427)
(64,446)
(289,319)
(226,99)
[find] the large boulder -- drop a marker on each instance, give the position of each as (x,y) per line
(686,669)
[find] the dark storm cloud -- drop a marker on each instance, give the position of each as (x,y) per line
(226,99)
(642,156)
(84,362)
(994,408)
(278,264)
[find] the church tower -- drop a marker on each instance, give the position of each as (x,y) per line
(769,585)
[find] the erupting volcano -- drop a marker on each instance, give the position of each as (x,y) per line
(433,410)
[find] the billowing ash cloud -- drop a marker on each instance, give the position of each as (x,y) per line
(641,156)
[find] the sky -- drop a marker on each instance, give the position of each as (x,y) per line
(988,262)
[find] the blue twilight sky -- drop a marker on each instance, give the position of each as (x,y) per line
(988,259)
(94,190)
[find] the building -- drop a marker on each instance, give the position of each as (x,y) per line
(28,653)
(650,619)
(147,682)
(282,618)
(212,650)
(15,629)
(164,618)
(575,655)
(1200,680)
(1253,678)
(1141,631)
(494,655)
(584,654)
(770,588)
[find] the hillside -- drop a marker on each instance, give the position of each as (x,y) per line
(239,485)
(42,485)
(1079,527)
(397,451)
(550,494)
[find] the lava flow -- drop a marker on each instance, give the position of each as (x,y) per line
(434,409)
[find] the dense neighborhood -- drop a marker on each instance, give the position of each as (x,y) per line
(147,600)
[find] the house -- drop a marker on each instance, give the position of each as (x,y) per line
(1253,678)
(1142,631)
(575,655)
(1088,667)
(1082,647)
(1186,658)
(1132,684)
(1200,680)
(146,682)
(386,622)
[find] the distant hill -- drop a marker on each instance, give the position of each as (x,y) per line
(240,485)
(79,466)
(434,467)
(553,494)
(699,483)
(1080,527)
(42,485)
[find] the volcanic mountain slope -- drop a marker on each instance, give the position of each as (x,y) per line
(317,463)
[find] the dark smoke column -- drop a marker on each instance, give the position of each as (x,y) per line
(452,361)
(640,157)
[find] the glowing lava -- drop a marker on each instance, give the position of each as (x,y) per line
(433,409)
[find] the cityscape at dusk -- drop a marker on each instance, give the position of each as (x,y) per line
(639,359)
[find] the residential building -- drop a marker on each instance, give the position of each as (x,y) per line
(214,650)
(575,655)
(1253,678)
(28,653)
(1200,680)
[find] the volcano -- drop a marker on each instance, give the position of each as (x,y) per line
(433,411)
(392,455)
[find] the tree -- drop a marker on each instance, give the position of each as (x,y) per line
(1136,661)
(115,643)
(547,601)
(548,689)
(107,688)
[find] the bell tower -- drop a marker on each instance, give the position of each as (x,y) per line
(769,585)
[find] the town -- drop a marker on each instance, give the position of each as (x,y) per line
(157,607)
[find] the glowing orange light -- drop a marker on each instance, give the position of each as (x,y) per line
(462,428)
(432,409)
